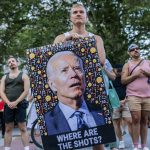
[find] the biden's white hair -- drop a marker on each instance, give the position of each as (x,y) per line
(50,68)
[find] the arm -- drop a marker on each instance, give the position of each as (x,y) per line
(125,77)
(59,39)
(111,75)
(29,96)
(62,38)
(100,49)
(24,94)
(147,74)
(2,91)
(109,70)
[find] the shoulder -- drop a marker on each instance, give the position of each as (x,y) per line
(126,66)
(147,60)
(53,113)
(59,38)
(48,114)
(25,76)
(99,41)
(4,76)
(91,34)
(3,81)
(98,38)
(107,62)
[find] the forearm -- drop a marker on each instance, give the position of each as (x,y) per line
(128,79)
(30,98)
(61,38)
(102,59)
(22,96)
(26,89)
(2,90)
(102,56)
(4,97)
(110,75)
(101,50)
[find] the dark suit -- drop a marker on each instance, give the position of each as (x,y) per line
(56,122)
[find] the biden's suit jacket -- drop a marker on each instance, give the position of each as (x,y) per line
(56,122)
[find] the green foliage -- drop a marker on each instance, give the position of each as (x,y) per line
(120,23)
(1,74)
(29,24)
(26,24)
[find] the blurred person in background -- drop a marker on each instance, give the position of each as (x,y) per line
(123,112)
(109,75)
(136,75)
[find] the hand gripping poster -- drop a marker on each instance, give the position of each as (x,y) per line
(70,96)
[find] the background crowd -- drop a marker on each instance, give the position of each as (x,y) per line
(134,99)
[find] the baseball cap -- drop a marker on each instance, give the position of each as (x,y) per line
(132,46)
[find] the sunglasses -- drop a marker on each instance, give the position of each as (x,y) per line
(131,50)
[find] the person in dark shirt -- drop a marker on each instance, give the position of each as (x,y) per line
(14,89)
(120,88)
(123,111)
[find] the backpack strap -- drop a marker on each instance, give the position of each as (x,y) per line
(136,66)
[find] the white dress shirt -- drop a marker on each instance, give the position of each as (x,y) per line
(72,121)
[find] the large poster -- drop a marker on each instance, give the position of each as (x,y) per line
(70,96)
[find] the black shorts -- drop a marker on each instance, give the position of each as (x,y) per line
(15,115)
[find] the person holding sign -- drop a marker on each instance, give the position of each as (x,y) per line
(79,18)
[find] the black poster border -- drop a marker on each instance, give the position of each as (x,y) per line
(86,50)
(105,134)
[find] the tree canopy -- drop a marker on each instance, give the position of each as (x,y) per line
(26,24)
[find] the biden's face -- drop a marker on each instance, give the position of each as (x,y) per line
(68,79)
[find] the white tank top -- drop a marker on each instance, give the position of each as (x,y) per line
(89,33)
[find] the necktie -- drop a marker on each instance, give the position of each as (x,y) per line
(81,124)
